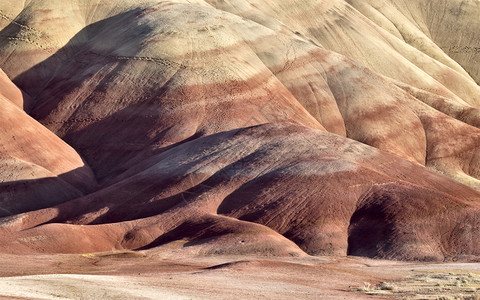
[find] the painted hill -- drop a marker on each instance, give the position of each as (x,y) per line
(236,127)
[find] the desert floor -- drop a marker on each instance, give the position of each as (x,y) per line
(149,275)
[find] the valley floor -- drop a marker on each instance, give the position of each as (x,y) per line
(149,275)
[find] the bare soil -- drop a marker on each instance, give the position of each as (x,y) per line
(152,275)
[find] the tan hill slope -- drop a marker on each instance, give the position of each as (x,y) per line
(158,99)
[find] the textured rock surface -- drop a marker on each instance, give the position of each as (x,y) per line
(237,127)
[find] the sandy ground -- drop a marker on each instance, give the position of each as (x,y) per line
(150,276)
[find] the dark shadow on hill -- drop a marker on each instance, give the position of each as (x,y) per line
(125,134)
(28,195)
(37,78)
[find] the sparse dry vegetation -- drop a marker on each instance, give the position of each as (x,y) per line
(429,285)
